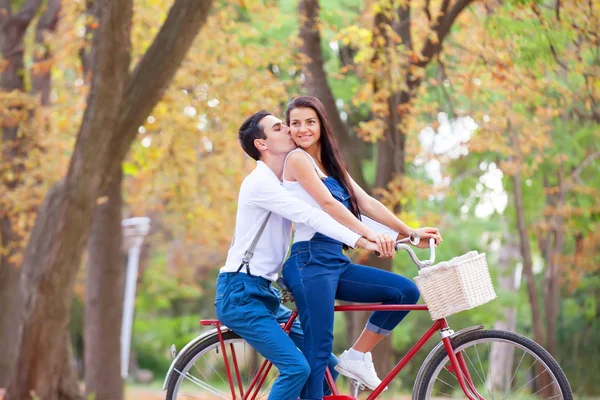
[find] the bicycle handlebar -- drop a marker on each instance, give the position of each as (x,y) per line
(414,240)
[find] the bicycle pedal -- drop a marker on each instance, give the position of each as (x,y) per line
(356,384)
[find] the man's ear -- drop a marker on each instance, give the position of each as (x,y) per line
(260,144)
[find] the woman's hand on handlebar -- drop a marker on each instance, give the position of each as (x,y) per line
(366,244)
(428,233)
(385,243)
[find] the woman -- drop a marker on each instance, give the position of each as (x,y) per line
(317,271)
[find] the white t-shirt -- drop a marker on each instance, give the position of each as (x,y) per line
(260,193)
(304,232)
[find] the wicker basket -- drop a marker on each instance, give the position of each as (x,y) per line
(456,285)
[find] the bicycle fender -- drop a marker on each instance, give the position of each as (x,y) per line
(434,351)
(189,346)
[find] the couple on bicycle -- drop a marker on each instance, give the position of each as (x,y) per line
(300,177)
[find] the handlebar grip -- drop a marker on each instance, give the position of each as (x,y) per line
(396,247)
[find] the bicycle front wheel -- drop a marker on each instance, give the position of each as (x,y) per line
(201,373)
(500,365)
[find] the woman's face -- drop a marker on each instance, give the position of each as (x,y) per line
(305,127)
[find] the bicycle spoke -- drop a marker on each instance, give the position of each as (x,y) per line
(447,384)
(474,367)
(452,397)
(539,390)
(203,375)
(217,372)
(490,363)
(513,377)
(272,379)
(501,346)
(528,369)
(202,384)
(483,373)
(531,380)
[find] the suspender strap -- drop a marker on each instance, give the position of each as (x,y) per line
(250,252)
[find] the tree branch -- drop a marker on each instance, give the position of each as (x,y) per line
(427,10)
(444,76)
(176,35)
(584,164)
(402,27)
(86,52)
(444,9)
(441,29)
(5,12)
(47,23)
(318,86)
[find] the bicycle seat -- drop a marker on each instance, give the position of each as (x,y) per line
(281,283)
(286,293)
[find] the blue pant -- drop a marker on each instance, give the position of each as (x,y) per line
(317,272)
(251,307)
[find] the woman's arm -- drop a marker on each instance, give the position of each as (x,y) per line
(299,168)
(380,213)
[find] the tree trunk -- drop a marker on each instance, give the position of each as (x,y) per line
(13,28)
(501,354)
(317,86)
(10,298)
(54,250)
(525,249)
(391,150)
(105,278)
(41,78)
(553,247)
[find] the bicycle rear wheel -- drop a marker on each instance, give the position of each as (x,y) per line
(501,365)
(201,373)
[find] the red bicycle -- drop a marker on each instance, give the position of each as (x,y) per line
(471,363)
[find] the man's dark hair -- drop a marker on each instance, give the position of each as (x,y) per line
(251,130)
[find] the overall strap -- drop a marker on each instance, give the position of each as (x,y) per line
(250,252)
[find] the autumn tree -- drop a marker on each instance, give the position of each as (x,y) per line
(117,105)
(405,38)
(535,103)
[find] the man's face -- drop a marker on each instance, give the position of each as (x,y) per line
(279,140)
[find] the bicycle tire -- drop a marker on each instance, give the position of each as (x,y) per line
(462,342)
(206,345)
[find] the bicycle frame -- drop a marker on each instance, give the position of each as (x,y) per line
(457,364)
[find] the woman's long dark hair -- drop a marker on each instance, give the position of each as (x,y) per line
(331,156)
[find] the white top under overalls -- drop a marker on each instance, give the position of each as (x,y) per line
(304,232)
(260,193)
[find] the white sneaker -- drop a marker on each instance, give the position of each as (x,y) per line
(361,370)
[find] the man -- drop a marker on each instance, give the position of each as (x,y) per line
(245,300)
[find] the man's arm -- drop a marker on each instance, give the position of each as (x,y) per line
(273,197)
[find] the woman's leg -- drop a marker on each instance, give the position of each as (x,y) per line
(314,286)
(296,334)
(370,285)
(362,284)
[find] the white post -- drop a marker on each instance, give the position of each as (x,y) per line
(134,232)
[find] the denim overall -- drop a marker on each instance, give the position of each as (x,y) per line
(317,272)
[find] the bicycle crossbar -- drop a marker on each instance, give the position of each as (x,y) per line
(383,307)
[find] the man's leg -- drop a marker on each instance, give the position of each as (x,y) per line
(283,315)
(245,310)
